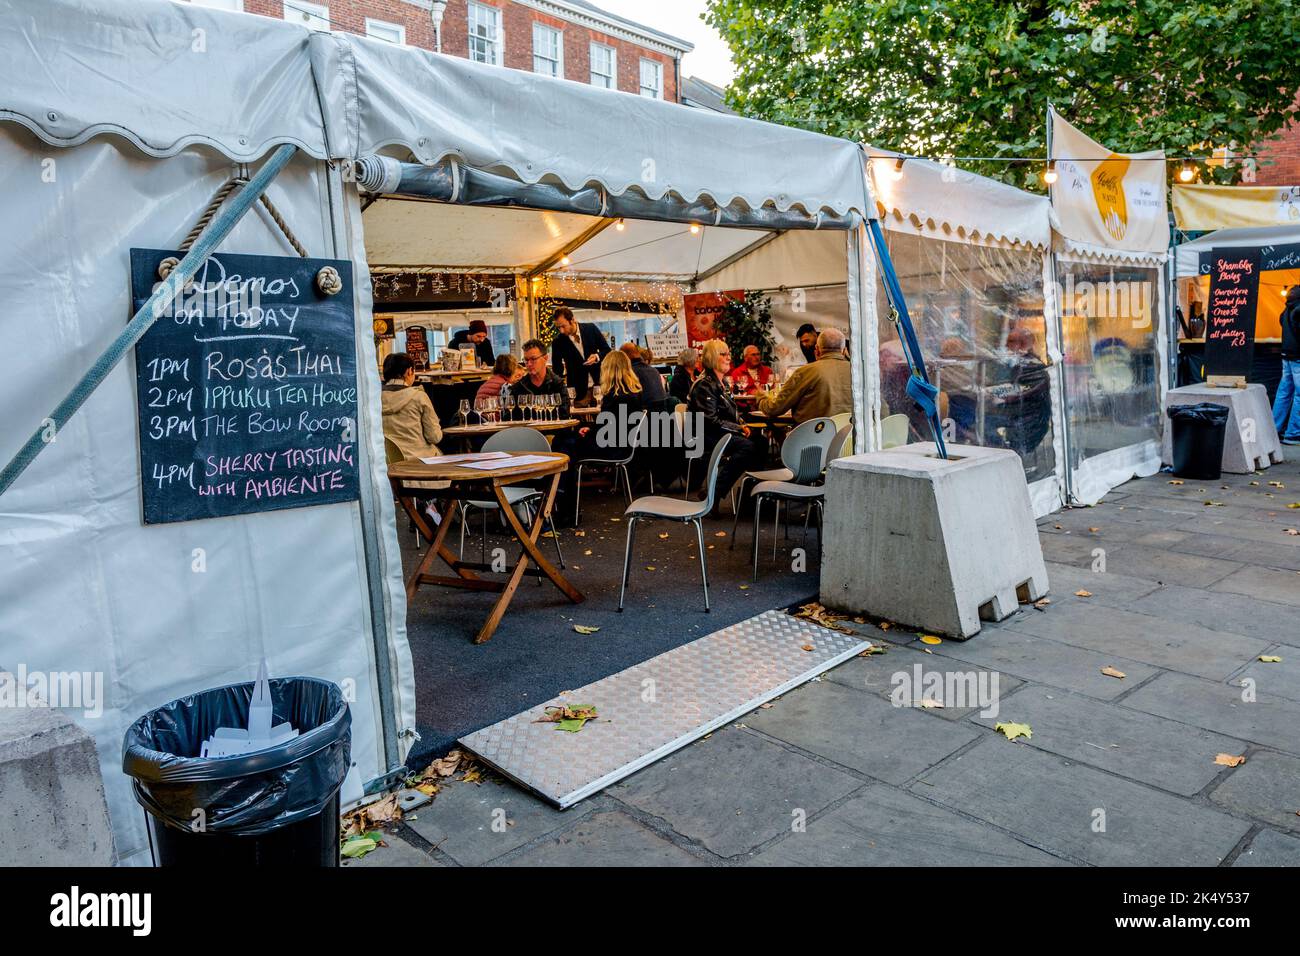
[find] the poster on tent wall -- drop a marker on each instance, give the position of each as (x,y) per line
(246,389)
(1107,199)
(699,309)
(1230,315)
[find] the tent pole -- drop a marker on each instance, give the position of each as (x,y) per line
(47,431)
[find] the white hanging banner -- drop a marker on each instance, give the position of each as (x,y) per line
(1112,200)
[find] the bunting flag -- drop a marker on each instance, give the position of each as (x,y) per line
(1107,199)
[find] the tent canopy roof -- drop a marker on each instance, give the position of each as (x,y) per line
(166,76)
(406,232)
(943,202)
(1187,255)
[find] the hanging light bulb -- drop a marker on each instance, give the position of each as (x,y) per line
(1188,172)
(1049,174)
(564,260)
(620,225)
(897,171)
(695,229)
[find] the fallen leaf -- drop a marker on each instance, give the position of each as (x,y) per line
(1292,531)
(884,625)
(814,612)
(744,587)
(585,628)
(570,719)
(929,703)
(1042,602)
(579,533)
(719,534)
(1082,593)
(1175,482)
(354,848)
(930,639)
(587,552)
(649,567)
(1294,504)
(809,647)
(765,706)
(1229,760)
(663,534)
(1270,658)
(1213,504)
(1012,731)
(1277,484)
(1094,530)
(872,650)
(1112,672)
(1256,483)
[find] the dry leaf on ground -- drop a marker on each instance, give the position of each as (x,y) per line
(1011,730)
(930,639)
(1270,659)
(1229,760)
(1112,672)
(586,628)
(1082,593)
(566,718)
(819,615)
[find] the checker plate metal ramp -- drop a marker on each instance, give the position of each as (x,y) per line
(696,689)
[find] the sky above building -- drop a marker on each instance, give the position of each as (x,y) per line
(710,60)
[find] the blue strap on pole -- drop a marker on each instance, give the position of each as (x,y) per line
(918,385)
(148,313)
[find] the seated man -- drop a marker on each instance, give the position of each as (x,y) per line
(477,336)
(653,392)
(751,375)
(540,380)
(820,389)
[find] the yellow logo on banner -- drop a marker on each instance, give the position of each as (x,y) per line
(1108,191)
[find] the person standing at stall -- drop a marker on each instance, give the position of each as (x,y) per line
(477,336)
(576,351)
(807,336)
(1286,406)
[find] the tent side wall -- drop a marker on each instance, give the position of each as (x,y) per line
(160,611)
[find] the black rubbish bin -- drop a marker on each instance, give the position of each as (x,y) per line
(277,806)
(1198,432)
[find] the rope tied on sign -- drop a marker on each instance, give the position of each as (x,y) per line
(218,199)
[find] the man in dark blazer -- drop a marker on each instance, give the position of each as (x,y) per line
(576,351)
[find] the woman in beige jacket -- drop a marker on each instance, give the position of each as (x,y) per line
(410,422)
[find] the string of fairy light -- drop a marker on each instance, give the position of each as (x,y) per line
(1188,166)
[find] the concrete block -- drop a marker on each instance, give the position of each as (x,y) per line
(52,807)
(1251,442)
(931,543)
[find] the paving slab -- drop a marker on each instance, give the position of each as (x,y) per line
(1153,750)
(397,852)
(1270,721)
(1265,584)
(733,791)
(875,675)
(1266,787)
(605,838)
(464,823)
(1114,590)
(1270,848)
(1184,647)
(1050,662)
(1139,561)
(1222,610)
(861,731)
(1196,542)
(1263,532)
(1055,803)
(1275,679)
(885,827)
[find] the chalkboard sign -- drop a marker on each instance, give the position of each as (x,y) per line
(1230,317)
(246,388)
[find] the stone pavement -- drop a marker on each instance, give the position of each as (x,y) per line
(1184,598)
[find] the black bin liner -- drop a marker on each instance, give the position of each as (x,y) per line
(274,805)
(1197,440)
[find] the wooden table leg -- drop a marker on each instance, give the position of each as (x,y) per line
(527,538)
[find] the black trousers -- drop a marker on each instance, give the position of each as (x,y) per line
(742,455)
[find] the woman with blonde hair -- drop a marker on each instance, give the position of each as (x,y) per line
(710,398)
(619,388)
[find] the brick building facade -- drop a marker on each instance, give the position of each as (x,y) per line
(570,38)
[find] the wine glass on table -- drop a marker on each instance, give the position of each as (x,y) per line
(464,412)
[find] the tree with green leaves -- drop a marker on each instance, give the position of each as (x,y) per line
(973,78)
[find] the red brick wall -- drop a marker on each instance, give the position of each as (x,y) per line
(517,21)
(1279,162)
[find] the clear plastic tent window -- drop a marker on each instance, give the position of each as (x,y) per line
(979,314)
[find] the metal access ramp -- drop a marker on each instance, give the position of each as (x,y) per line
(660,705)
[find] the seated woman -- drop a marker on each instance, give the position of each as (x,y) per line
(684,374)
(410,422)
(710,398)
(506,371)
(620,389)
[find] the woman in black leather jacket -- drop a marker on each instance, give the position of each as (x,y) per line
(710,398)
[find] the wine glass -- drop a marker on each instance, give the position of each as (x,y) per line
(557,402)
(525,407)
(464,412)
(507,406)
